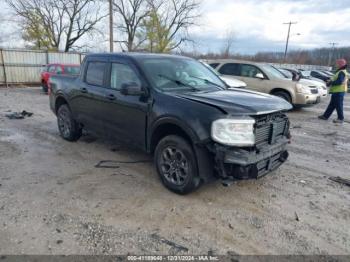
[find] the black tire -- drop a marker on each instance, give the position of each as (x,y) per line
(44,88)
(176,165)
(284,95)
(69,129)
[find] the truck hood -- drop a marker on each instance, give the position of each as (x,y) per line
(238,101)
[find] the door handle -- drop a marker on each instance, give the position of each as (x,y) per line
(83,90)
(111,97)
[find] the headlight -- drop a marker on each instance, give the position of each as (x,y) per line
(303,89)
(234,132)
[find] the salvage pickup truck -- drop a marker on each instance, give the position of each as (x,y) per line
(177,109)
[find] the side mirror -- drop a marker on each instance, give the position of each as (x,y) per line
(296,77)
(132,89)
(260,76)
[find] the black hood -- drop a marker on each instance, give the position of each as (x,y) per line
(237,101)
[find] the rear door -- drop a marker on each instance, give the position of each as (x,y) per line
(125,115)
(90,99)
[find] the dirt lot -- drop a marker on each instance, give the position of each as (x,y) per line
(54,201)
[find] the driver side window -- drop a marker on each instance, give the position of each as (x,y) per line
(123,74)
(249,71)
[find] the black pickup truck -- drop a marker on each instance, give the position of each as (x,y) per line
(177,109)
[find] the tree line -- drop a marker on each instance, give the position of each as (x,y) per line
(150,25)
(317,56)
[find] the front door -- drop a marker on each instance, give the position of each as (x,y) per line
(126,115)
(248,74)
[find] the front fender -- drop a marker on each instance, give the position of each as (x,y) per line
(190,131)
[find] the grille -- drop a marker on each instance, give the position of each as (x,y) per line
(314,90)
(269,128)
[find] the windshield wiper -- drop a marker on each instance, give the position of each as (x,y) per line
(207,81)
(178,82)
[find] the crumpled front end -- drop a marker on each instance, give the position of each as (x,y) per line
(270,151)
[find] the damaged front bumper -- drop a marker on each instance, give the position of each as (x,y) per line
(238,164)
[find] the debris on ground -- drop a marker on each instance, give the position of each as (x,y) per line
(296,127)
(178,247)
(114,164)
(331,134)
(340,180)
(121,174)
(296,216)
(19,115)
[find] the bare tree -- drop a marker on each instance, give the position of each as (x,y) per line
(169,22)
(228,43)
(131,15)
(62,22)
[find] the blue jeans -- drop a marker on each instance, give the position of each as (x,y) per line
(336,103)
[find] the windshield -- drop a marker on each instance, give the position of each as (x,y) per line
(285,73)
(271,71)
(305,73)
(72,70)
(175,74)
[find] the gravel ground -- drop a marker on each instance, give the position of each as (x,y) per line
(54,201)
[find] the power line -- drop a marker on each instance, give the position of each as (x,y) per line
(289,26)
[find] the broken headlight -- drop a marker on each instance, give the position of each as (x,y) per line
(234,132)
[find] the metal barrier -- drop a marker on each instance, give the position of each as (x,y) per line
(24,66)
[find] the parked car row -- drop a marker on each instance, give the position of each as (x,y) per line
(267,79)
(322,88)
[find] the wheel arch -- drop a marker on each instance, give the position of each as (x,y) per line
(169,126)
(173,126)
(278,89)
(59,101)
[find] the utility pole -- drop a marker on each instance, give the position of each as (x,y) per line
(331,53)
(111,40)
(289,26)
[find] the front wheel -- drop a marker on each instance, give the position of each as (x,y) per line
(284,95)
(177,165)
(68,127)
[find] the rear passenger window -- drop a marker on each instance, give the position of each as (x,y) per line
(95,73)
(59,70)
(230,69)
(51,69)
(123,74)
(214,65)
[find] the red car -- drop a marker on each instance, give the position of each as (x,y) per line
(57,69)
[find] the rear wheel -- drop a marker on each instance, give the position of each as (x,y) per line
(284,95)
(177,165)
(44,87)
(68,127)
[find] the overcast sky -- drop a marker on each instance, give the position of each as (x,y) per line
(258,24)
